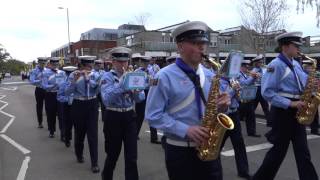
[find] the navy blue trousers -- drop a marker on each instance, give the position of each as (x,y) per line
(286,129)
(238,144)
(246,113)
(40,98)
(51,110)
(85,117)
(183,164)
(118,128)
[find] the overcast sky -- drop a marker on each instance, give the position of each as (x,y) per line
(33,28)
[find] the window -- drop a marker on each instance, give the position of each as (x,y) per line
(163,37)
(213,40)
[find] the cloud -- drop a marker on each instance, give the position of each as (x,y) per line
(33,28)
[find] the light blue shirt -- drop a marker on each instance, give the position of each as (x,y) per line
(280,79)
(173,88)
(245,80)
(61,95)
(261,72)
(113,93)
(36,76)
(152,69)
(52,79)
(84,87)
(98,75)
(225,87)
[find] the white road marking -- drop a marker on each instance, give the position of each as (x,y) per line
(259,147)
(23,169)
(9,88)
(15,144)
(7,114)
(159,133)
(16,82)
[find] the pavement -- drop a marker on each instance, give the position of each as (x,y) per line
(26,152)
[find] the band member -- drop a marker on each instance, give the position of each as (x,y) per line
(36,79)
(141,106)
(175,106)
(152,70)
(52,78)
(98,73)
(307,67)
(257,68)
(119,125)
(65,103)
(235,135)
(282,85)
(84,110)
(246,107)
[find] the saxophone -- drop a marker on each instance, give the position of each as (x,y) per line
(217,123)
(306,115)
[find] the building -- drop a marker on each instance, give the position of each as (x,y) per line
(95,41)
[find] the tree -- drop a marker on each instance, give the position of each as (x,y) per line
(3,53)
(260,17)
(142,18)
(13,66)
(301,4)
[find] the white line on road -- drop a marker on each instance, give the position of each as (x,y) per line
(12,117)
(259,147)
(16,82)
(15,144)
(23,169)
(9,88)
(159,133)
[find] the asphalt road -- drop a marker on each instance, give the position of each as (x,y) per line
(26,152)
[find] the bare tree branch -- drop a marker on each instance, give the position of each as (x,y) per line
(301,4)
(260,17)
(142,18)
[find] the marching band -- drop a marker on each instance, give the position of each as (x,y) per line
(173,99)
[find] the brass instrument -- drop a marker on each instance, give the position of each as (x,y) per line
(217,123)
(78,73)
(214,63)
(310,96)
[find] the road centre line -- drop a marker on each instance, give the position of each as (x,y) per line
(259,147)
(24,167)
(15,144)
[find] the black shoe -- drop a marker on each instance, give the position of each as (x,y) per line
(67,143)
(80,159)
(245,176)
(254,135)
(95,169)
(40,126)
(155,142)
(51,135)
(315,133)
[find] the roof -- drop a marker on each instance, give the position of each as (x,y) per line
(96,33)
(229,30)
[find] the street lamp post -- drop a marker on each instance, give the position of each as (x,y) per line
(69,49)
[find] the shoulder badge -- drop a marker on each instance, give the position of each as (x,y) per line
(270,69)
